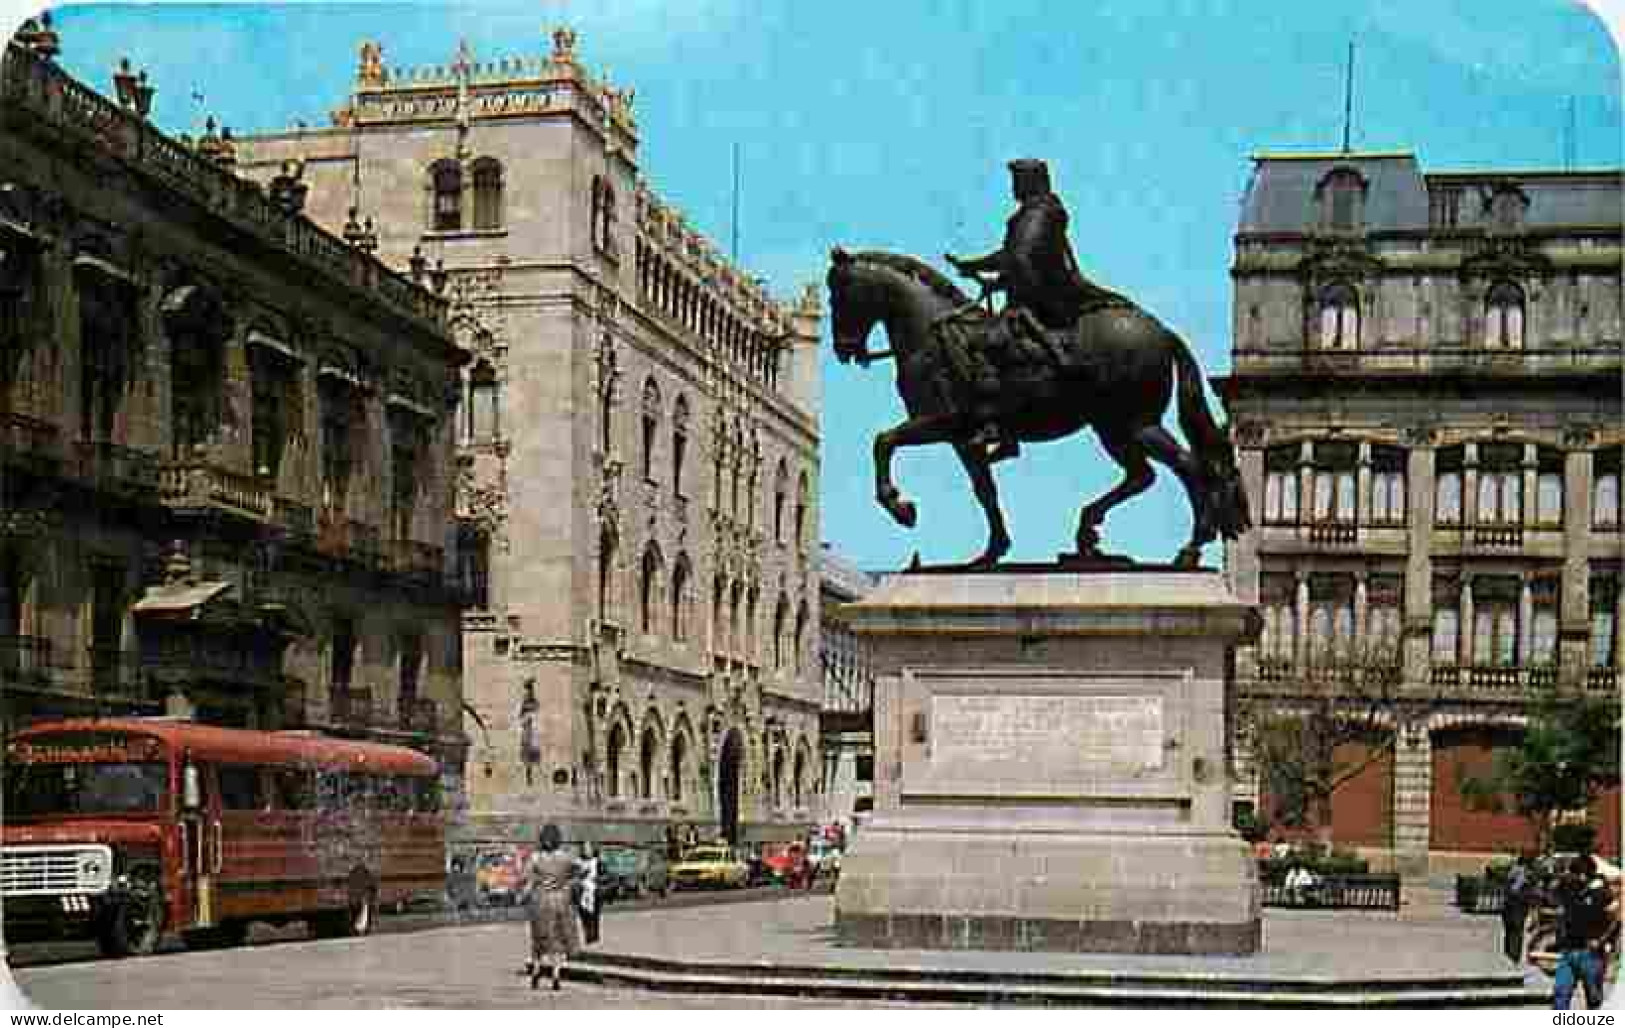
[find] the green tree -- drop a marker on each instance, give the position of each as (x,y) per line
(1568,756)
(1302,724)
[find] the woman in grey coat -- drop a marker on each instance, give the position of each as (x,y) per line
(554,929)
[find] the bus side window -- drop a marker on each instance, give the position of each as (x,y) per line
(295,790)
(357,791)
(240,787)
(332,790)
(426,795)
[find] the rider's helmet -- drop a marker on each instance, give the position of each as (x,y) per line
(1029,177)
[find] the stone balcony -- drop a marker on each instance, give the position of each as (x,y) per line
(199,485)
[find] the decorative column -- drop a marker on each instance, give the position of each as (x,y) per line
(1419,515)
(1573,604)
(1413,797)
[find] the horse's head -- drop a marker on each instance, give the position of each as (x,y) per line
(904,292)
(852,312)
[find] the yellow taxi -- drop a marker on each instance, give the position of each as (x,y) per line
(711,865)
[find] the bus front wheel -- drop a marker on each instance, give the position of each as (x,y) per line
(134,923)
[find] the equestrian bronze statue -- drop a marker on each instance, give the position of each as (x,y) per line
(1062,355)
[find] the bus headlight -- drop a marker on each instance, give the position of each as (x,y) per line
(94,870)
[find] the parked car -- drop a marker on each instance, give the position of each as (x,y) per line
(785,862)
(499,877)
(715,865)
(628,872)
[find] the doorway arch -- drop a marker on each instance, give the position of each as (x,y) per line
(728,775)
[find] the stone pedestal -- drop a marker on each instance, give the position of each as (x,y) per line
(1051,766)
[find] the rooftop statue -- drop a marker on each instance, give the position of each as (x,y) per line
(1061,355)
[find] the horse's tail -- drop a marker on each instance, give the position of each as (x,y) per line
(1210,443)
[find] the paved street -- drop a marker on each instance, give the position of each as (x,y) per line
(471,967)
(475,965)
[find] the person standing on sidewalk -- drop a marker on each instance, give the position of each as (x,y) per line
(1515,905)
(554,934)
(1586,915)
(588,897)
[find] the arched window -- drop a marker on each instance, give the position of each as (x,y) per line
(796,778)
(474,564)
(799,641)
(487,194)
(679,444)
(1342,200)
(612,758)
(778,778)
(750,624)
(781,484)
(482,403)
(679,769)
(1339,317)
(781,615)
(603,216)
(801,512)
(647,762)
(446,183)
(736,632)
(606,570)
(679,600)
(719,619)
(651,427)
(649,589)
(1503,317)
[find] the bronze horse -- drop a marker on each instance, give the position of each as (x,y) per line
(1114,372)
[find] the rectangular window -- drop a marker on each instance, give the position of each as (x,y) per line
(339,416)
(1495,633)
(1280,631)
(1500,498)
(1387,485)
(295,790)
(1446,622)
(275,415)
(240,788)
(1605,475)
(1543,637)
(1281,485)
(1604,620)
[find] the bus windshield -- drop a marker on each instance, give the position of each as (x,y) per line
(43,790)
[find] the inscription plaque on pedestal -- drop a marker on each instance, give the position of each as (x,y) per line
(1068,735)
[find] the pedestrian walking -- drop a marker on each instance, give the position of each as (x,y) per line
(1586,915)
(554,933)
(589,898)
(1515,904)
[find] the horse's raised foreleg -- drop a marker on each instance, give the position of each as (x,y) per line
(931,428)
(980,470)
(1137,478)
(1164,448)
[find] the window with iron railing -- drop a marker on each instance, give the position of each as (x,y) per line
(1604,621)
(1605,476)
(1504,317)
(1387,485)
(1281,485)
(1449,471)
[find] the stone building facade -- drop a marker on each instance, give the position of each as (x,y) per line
(637,464)
(225,440)
(1426,399)
(846,727)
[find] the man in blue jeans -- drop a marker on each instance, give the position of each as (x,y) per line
(1585,917)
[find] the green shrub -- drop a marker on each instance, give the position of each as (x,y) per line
(1574,838)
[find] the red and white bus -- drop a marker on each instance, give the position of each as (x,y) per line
(120,829)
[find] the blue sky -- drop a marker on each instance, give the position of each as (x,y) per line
(889,124)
